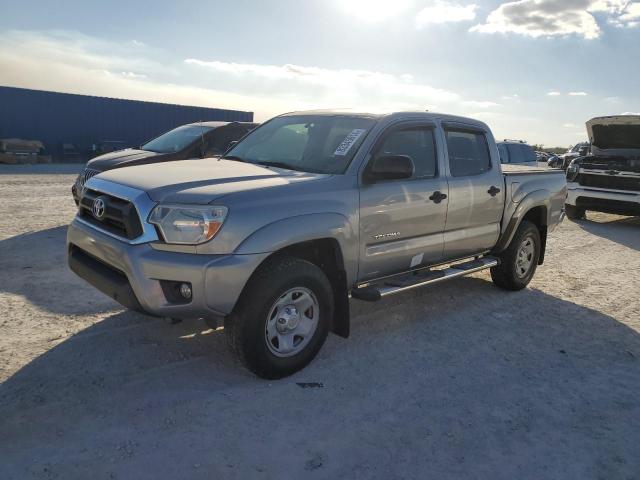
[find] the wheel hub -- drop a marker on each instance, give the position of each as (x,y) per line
(292,321)
(288,319)
(524,258)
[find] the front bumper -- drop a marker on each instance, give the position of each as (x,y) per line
(602,200)
(132,274)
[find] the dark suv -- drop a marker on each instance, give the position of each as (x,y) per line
(517,152)
(195,140)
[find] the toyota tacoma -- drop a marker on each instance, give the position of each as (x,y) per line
(307,211)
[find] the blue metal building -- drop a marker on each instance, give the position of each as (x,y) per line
(58,118)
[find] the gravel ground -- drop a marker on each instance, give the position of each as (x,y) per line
(462,380)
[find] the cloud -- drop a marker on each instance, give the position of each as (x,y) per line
(570,125)
(479,104)
(629,17)
(341,86)
(552,18)
(554,94)
(578,94)
(74,63)
(441,11)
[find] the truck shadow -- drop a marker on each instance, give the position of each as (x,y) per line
(514,366)
(43,278)
(622,230)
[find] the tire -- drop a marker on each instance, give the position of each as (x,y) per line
(254,330)
(511,274)
(574,213)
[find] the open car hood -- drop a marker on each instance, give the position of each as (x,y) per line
(616,135)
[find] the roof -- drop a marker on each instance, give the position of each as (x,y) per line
(219,124)
(424,114)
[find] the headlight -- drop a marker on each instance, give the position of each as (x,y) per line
(188,224)
(572,171)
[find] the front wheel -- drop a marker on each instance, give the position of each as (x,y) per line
(282,318)
(519,261)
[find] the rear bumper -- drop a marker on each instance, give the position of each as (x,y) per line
(601,200)
(132,274)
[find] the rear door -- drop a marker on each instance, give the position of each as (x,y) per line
(402,221)
(476,192)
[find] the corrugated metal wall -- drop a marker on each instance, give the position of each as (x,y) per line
(57,118)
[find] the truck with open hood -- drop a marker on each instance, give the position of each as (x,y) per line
(608,179)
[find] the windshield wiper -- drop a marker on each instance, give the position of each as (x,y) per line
(235,158)
(280,165)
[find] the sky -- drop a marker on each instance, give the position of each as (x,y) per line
(535,70)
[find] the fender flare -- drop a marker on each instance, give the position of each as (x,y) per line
(537,198)
(309,227)
(303,228)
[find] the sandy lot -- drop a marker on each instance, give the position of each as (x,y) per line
(459,381)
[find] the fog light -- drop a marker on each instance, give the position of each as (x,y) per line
(185,290)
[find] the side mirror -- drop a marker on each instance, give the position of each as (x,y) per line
(390,167)
(583,151)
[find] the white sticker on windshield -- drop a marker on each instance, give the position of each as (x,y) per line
(348,141)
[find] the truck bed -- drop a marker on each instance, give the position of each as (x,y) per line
(508,169)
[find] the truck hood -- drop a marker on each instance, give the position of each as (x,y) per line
(617,135)
(121,158)
(203,181)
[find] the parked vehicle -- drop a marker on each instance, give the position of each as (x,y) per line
(517,152)
(195,140)
(306,210)
(578,150)
(608,179)
(554,161)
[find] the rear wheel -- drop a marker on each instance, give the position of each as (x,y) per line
(519,261)
(574,213)
(282,318)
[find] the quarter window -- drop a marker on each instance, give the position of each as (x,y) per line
(416,143)
(468,153)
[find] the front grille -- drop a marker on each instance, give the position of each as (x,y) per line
(616,182)
(120,216)
(86,174)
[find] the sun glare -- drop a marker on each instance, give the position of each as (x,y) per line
(374,10)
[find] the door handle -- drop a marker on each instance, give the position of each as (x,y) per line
(493,191)
(437,197)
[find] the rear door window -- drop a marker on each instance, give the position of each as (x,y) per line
(468,153)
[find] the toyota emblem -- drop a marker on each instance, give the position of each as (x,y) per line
(99,208)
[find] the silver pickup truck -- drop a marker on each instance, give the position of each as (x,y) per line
(308,210)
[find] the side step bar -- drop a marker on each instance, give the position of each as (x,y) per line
(402,283)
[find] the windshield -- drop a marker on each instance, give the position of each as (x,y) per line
(176,139)
(309,143)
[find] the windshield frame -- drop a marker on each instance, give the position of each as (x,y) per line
(205,130)
(373,119)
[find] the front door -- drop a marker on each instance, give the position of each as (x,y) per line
(476,193)
(402,221)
